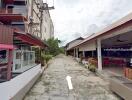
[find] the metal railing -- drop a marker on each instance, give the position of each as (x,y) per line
(15,10)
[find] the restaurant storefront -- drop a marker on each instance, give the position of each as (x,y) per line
(112,47)
(117,53)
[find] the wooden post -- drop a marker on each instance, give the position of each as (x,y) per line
(99,54)
(9,64)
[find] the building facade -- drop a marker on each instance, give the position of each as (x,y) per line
(21,27)
(41,24)
(47,25)
(69,48)
(35,17)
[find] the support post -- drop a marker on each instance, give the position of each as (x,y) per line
(83,52)
(74,52)
(9,64)
(99,54)
(92,53)
(77,52)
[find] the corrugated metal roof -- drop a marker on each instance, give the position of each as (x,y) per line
(74,43)
(112,26)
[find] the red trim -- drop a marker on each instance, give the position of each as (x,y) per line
(9,66)
(9,1)
(26,38)
(12,17)
(6,46)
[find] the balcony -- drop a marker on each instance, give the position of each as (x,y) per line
(8,1)
(13,15)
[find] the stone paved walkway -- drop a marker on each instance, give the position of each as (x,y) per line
(53,85)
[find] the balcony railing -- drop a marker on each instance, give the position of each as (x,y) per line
(15,10)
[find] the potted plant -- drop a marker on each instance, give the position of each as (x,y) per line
(92,64)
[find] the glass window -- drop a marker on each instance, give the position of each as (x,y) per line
(3,58)
(25,59)
(18,55)
(19,2)
(17,66)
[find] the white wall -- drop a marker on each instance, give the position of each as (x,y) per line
(47,27)
(47,24)
(72,44)
(88,46)
(15,87)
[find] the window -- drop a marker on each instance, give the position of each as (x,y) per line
(18,55)
(25,58)
(19,2)
(3,58)
(17,66)
(45,29)
(32,57)
(19,25)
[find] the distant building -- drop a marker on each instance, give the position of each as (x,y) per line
(69,48)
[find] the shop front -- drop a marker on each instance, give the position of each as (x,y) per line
(6,49)
(117,53)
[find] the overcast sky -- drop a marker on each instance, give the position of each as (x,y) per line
(74,18)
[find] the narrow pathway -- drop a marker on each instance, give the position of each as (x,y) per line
(53,85)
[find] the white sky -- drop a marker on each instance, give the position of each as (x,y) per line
(74,18)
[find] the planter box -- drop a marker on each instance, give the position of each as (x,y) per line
(128,73)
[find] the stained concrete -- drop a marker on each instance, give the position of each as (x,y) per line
(53,85)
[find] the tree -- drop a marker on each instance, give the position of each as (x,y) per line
(53,47)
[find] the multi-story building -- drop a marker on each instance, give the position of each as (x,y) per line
(21,24)
(31,16)
(48,27)
(42,25)
(28,22)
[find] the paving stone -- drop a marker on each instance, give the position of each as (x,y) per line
(53,85)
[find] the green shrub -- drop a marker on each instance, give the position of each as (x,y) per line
(46,57)
(92,68)
(53,47)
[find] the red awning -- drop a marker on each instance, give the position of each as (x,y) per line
(28,38)
(5,46)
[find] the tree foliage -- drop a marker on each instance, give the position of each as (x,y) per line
(53,47)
